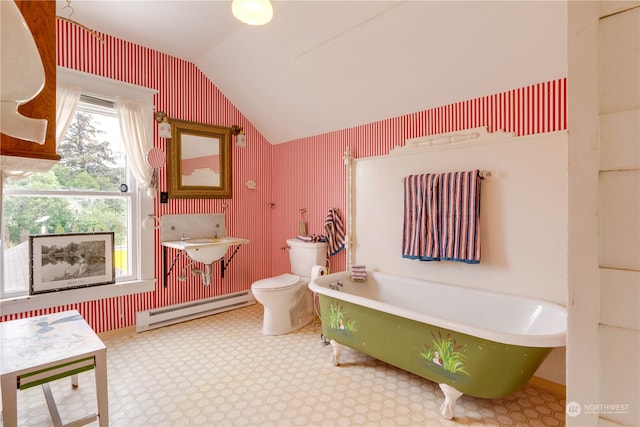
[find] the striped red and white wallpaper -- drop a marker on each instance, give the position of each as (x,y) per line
(302,174)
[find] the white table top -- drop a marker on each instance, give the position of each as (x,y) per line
(43,340)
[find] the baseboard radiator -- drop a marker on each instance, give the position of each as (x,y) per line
(157,318)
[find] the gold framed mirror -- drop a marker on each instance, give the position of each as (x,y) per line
(199,164)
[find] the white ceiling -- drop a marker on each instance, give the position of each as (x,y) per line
(320,66)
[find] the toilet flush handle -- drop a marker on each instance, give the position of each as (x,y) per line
(285,248)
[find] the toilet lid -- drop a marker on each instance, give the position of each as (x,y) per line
(277,283)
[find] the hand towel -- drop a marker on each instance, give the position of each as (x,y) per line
(334,230)
(358,273)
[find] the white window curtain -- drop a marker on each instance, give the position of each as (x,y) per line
(136,121)
(66,103)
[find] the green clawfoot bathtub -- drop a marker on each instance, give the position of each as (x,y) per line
(469,341)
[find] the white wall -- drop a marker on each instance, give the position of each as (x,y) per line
(619,210)
(523,214)
(603,364)
(582,350)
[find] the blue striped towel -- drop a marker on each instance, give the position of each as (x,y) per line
(420,236)
(442,217)
(460,216)
(334,230)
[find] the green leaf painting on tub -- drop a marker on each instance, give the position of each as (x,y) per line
(445,353)
(337,319)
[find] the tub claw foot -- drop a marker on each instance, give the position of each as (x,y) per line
(451,395)
(337,352)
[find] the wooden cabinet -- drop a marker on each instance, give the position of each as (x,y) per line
(18,154)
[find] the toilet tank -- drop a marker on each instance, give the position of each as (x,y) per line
(304,255)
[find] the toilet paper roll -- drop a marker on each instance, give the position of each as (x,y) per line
(318,270)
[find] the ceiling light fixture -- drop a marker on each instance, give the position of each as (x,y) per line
(252,12)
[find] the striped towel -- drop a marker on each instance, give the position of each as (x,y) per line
(420,237)
(312,238)
(358,273)
(460,216)
(334,230)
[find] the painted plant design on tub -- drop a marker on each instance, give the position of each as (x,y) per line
(338,320)
(444,352)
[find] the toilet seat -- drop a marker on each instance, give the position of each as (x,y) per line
(277,283)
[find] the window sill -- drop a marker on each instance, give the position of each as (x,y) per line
(71,296)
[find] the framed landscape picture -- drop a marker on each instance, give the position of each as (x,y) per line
(68,261)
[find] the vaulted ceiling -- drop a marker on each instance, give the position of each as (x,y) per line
(320,66)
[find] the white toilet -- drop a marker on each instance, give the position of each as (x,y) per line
(287,300)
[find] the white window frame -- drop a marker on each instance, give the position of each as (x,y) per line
(144,264)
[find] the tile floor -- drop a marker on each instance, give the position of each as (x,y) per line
(221,371)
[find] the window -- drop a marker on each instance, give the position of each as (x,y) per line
(81,194)
(91,189)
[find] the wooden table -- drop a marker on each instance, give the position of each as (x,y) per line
(37,350)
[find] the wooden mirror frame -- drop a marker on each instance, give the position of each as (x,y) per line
(190,137)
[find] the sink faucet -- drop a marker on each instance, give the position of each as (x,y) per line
(184,237)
